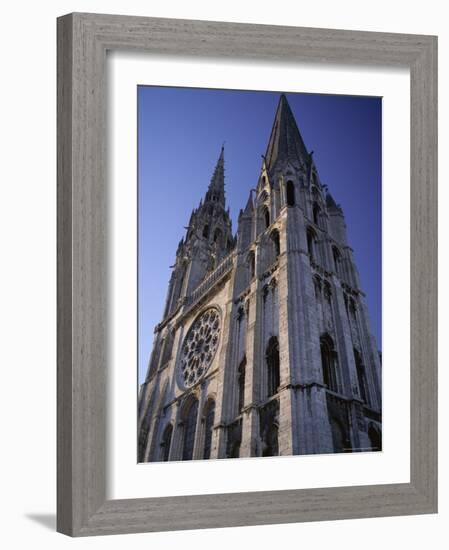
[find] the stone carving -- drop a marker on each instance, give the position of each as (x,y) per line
(199,346)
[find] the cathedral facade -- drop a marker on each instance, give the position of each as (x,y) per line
(265,346)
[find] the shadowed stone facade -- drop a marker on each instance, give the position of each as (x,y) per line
(265,346)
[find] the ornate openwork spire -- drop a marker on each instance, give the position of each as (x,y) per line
(285,142)
(215,191)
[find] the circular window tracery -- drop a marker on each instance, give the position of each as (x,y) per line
(199,347)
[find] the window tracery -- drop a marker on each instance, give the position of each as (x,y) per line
(200,346)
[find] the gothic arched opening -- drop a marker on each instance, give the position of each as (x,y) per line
(217,236)
(316,210)
(272,359)
(190,417)
(166,442)
(353,309)
(209,417)
(241,384)
(329,362)
(266,217)
(251,265)
(361,375)
(206,231)
(311,243)
(375,438)
(337,260)
(290,193)
(276,242)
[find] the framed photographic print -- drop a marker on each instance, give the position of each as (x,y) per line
(253,331)
(246,274)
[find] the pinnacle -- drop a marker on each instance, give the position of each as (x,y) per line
(249,205)
(330,202)
(217,180)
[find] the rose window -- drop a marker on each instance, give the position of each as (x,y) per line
(200,346)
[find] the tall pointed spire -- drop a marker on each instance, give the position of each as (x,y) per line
(216,185)
(285,142)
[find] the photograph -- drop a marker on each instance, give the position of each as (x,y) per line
(259,274)
(221,243)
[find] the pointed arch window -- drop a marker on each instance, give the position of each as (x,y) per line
(361,376)
(266,217)
(311,243)
(209,418)
(276,242)
(166,442)
(252,264)
(337,260)
(190,418)
(206,231)
(329,363)
(353,309)
(273,367)
(241,384)
(316,211)
(290,193)
(217,236)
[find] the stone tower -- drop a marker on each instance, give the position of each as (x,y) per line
(265,346)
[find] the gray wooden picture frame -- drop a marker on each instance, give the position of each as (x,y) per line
(83,40)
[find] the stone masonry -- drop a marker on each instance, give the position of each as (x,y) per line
(265,346)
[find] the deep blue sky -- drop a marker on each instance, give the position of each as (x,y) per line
(180,134)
